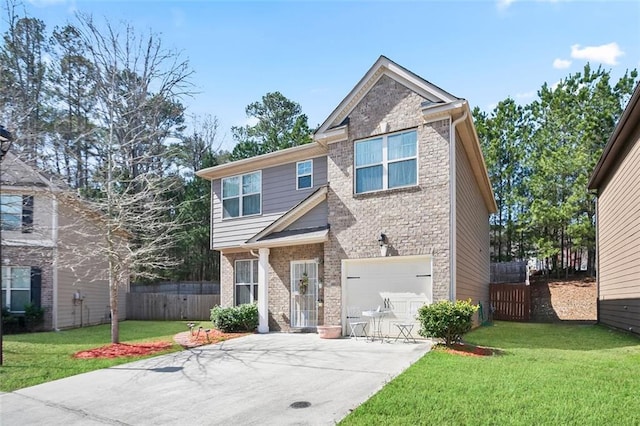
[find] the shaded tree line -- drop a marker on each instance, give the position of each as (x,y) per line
(539,157)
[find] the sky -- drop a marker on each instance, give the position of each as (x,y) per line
(315,52)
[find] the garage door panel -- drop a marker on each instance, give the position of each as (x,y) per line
(404,282)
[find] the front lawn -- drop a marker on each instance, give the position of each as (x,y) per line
(34,358)
(549,374)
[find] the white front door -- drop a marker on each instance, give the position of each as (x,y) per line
(304,293)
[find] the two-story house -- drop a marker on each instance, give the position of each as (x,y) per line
(388,206)
(616,178)
(50,250)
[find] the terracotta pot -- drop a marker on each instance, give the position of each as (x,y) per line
(329,331)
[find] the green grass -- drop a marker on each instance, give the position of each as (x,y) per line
(549,374)
(34,358)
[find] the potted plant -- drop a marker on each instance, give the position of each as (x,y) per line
(329,331)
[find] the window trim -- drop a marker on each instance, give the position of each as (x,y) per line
(240,196)
(253,286)
(298,175)
(385,162)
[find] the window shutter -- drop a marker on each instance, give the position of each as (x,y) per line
(27,214)
(36,286)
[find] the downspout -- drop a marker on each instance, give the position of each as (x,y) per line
(452,204)
(54,266)
(596,263)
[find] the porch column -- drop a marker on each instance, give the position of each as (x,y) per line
(263,290)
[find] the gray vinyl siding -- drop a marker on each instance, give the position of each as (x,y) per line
(316,217)
(472,234)
(279,195)
(619,243)
(83,270)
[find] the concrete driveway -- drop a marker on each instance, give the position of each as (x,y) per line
(257,379)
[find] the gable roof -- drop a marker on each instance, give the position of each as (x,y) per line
(302,208)
(15,172)
(16,175)
(384,66)
(288,155)
(618,142)
(438,104)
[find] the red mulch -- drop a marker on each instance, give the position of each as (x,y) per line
(116,350)
(466,349)
(186,339)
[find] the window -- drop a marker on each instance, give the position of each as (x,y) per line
(241,195)
(304,174)
(246,278)
(16,287)
(16,213)
(386,162)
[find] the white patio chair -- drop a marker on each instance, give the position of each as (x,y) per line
(405,327)
(357,325)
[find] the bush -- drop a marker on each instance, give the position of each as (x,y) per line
(33,316)
(10,322)
(446,320)
(236,318)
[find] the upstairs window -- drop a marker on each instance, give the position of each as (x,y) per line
(386,162)
(16,213)
(241,195)
(304,174)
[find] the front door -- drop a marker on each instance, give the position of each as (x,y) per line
(304,293)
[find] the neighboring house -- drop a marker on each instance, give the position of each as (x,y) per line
(388,206)
(49,254)
(616,179)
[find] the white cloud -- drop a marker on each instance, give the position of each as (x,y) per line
(606,53)
(561,63)
(504,4)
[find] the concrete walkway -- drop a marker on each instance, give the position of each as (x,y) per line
(252,380)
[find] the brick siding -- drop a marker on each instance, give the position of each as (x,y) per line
(279,280)
(35,258)
(415,220)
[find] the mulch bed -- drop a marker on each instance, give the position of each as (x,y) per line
(116,350)
(466,349)
(185,339)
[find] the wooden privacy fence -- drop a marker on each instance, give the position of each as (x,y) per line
(509,272)
(510,302)
(158,306)
(181,287)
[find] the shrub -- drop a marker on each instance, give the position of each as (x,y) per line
(446,320)
(33,316)
(10,322)
(235,318)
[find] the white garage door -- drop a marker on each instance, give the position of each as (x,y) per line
(404,281)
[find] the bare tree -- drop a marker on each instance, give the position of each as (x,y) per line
(138,87)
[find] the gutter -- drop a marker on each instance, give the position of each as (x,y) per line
(54,272)
(452,204)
